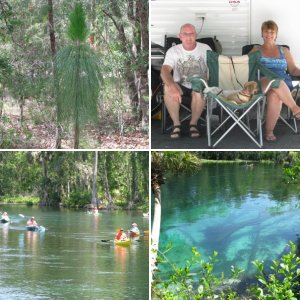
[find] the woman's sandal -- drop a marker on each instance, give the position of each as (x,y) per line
(297,115)
(270,137)
(194,132)
(175,134)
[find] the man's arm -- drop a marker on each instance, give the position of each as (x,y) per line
(170,86)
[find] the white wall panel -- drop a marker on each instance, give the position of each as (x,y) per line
(286,14)
(231,25)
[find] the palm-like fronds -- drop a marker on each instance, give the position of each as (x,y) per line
(77,30)
(77,75)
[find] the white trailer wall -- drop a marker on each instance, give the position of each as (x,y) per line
(286,13)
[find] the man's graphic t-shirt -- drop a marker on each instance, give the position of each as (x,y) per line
(186,64)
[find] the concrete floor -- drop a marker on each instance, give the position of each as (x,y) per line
(237,139)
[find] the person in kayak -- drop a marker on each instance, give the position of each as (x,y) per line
(134,230)
(32,222)
(4,217)
(121,235)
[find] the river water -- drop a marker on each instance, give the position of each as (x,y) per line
(68,260)
(244,213)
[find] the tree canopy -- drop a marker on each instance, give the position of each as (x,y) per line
(66,178)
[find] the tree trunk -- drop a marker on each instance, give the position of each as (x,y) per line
(53,52)
(126,47)
(134,183)
(107,193)
(51,28)
(95,200)
(45,195)
(155,230)
(76,135)
(21,105)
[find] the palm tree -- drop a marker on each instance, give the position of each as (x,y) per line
(161,162)
(78,77)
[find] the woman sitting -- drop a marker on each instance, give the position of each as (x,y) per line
(279,60)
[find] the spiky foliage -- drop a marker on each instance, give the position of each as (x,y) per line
(77,29)
(78,84)
(77,78)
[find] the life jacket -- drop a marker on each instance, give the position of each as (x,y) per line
(118,236)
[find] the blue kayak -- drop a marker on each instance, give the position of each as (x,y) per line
(35,228)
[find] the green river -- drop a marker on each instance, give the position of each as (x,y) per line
(244,213)
(69,260)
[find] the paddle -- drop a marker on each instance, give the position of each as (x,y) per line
(21,215)
(107,241)
(145,231)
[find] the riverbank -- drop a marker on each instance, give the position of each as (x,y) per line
(32,201)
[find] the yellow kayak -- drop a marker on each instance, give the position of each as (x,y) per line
(122,243)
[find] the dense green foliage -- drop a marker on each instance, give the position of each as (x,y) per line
(117,33)
(281,282)
(292,171)
(66,177)
(182,283)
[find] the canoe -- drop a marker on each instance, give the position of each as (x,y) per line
(4,220)
(122,243)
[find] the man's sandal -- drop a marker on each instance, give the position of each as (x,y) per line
(194,132)
(176,132)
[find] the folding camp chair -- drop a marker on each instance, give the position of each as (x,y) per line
(286,116)
(230,74)
(186,112)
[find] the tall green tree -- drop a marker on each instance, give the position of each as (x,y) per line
(78,77)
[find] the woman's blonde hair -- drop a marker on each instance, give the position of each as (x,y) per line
(269,25)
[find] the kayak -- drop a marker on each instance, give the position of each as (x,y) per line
(32,228)
(36,228)
(4,220)
(122,243)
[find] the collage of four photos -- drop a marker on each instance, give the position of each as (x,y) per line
(149,149)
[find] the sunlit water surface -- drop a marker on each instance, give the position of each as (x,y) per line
(68,260)
(243,213)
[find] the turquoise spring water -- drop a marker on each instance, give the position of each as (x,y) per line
(243,213)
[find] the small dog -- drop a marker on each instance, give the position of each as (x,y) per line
(245,95)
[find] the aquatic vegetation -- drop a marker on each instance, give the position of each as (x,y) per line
(281,282)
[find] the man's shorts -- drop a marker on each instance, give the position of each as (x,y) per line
(186,95)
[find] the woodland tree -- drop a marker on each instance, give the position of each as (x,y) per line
(78,77)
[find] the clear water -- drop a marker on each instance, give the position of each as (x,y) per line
(243,213)
(68,260)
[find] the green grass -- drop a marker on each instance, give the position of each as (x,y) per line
(27,200)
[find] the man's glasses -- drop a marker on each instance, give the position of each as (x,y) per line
(187,34)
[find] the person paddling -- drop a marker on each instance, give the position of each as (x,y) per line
(32,222)
(5,217)
(134,230)
(121,235)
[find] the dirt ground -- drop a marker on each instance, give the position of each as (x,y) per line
(37,132)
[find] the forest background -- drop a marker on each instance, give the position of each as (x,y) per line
(109,180)
(32,32)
